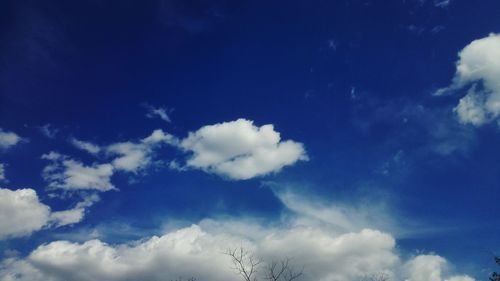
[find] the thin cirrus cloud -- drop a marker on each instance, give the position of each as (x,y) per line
(478,67)
(158,112)
(23,205)
(324,254)
(85,146)
(239,150)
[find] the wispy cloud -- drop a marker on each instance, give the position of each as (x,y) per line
(8,139)
(48,130)
(86,146)
(158,112)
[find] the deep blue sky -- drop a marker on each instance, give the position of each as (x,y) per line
(353,81)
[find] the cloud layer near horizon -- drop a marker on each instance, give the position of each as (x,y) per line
(325,251)
(198,251)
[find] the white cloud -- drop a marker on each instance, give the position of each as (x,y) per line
(74,215)
(158,112)
(194,251)
(198,251)
(68,174)
(136,156)
(240,150)
(8,139)
(86,146)
(21,212)
(479,65)
(338,216)
(13,269)
(430,268)
(470,108)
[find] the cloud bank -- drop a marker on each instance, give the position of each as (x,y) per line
(198,251)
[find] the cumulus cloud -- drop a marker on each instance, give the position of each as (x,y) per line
(240,150)
(68,174)
(198,251)
(158,112)
(479,66)
(22,213)
(194,251)
(85,146)
(8,139)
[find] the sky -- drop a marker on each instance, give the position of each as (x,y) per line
(142,140)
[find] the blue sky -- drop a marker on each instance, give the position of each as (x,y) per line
(361,133)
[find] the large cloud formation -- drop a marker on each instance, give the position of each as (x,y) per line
(326,254)
(240,150)
(198,251)
(479,66)
(22,213)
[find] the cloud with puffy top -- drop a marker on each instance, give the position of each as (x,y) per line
(479,68)
(198,251)
(240,150)
(22,213)
(430,268)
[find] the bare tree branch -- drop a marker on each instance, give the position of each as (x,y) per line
(244,264)
(247,266)
(282,271)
